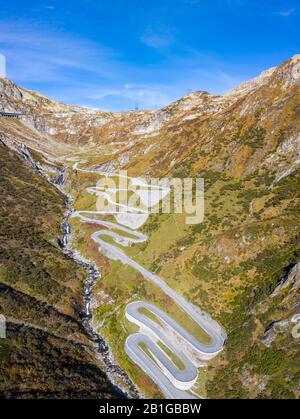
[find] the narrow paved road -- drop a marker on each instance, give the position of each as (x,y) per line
(174,378)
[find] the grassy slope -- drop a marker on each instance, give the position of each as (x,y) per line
(249,238)
(46,352)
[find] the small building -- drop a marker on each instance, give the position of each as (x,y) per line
(10,114)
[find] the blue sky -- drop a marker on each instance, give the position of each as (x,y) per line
(118,53)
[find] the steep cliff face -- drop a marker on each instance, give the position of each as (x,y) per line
(240,264)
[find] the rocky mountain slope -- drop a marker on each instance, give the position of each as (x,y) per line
(47,352)
(241,263)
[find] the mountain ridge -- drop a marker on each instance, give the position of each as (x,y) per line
(123,130)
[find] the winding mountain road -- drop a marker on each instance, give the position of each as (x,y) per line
(156,330)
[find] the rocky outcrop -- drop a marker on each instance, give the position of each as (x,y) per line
(290,279)
(274,329)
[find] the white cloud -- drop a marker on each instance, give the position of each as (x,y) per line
(36,54)
(157,41)
(158,38)
(286,13)
(146,96)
